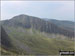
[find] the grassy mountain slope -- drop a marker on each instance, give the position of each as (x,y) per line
(30,41)
(6,44)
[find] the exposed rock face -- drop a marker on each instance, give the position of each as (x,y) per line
(38,24)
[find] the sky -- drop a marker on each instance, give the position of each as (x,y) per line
(60,10)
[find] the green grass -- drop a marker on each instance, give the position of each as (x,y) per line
(38,42)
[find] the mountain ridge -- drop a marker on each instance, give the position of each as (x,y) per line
(38,24)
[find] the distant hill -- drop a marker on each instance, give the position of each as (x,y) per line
(62,23)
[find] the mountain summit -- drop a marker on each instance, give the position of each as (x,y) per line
(26,21)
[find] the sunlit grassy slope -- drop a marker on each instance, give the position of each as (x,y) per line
(29,41)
